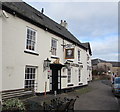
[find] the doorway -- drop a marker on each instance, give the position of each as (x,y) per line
(56,77)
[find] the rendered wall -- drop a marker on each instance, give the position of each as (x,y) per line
(15,59)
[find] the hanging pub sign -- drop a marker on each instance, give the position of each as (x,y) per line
(69,53)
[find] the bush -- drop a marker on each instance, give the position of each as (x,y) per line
(13,105)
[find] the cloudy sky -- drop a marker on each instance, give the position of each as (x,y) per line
(94,22)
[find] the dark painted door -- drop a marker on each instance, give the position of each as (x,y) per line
(54,80)
(56,77)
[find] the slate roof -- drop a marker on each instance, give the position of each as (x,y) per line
(96,61)
(115,64)
(30,14)
(87,45)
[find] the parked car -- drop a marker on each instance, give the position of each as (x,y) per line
(116,86)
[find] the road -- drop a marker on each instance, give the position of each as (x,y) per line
(100,98)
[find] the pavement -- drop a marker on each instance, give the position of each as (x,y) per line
(98,98)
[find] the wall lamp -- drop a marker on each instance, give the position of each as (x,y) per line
(67,65)
(47,62)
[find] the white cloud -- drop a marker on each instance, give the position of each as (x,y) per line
(106,48)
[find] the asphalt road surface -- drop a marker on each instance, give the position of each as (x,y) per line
(100,98)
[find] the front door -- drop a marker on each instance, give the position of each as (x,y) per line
(56,77)
(55,80)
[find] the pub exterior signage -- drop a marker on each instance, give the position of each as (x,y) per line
(69,53)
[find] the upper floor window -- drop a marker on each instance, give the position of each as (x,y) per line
(31,39)
(78,55)
(54,47)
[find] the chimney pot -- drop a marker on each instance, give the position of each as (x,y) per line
(64,24)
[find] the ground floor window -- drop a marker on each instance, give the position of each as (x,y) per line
(79,74)
(69,75)
(30,73)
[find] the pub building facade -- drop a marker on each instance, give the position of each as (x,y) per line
(39,53)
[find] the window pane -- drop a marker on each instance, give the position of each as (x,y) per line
(78,55)
(34,34)
(30,37)
(79,75)
(33,71)
(25,76)
(30,77)
(27,36)
(33,38)
(28,31)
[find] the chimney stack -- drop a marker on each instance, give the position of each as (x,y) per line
(42,10)
(64,24)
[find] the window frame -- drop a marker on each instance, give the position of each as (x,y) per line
(88,57)
(35,42)
(29,77)
(79,51)
(79,74)
(69,76)
(54,48)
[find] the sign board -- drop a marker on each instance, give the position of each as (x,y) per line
(69,53)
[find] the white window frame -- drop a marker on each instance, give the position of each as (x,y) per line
(30,76)
(88,57)
(35,41)
(69,73)
(79,51)
(54,47)
(79,74)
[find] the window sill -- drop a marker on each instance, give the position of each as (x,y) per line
(70,85)
(55,57)
(79,62)
(63,76)
(80,83)
(69,60)
(30,52)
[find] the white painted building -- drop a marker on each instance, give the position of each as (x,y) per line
(38,51)
(89,63)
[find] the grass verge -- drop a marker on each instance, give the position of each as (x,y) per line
(84,90)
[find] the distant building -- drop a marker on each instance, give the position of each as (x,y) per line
(89,64)
(107,66)
(115,67)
